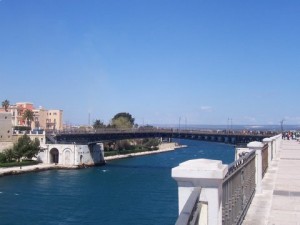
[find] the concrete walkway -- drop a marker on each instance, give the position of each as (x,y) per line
(279,203)
(32,168)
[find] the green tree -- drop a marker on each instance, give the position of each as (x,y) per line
(25,147)
(9,154)
(28,117)
(122,120)
(3,158)
(98,124)
(151,142)
(33,150)
(124,145)
(5,105)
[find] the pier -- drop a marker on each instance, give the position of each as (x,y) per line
(261,188)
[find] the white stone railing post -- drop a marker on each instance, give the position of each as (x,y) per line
(279,140)
(204,173)
(270,154)
(257,146)
(274,146)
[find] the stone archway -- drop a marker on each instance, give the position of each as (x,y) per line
(81,156)
(54,155)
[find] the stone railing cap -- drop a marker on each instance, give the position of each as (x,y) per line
(255,144)
(267,140)
(202,163)
(200,168)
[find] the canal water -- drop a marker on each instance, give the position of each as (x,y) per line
(129,191)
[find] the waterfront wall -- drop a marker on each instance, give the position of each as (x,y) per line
(5,145)
(224,206)
(17,134)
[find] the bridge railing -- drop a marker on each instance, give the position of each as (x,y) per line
(227,189)
(162,130)
(265,161)
(238,189)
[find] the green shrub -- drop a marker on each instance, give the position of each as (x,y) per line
(23,163)
(3,158)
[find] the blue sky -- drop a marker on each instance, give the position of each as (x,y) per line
(202,61)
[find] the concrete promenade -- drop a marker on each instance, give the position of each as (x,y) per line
(279,203)
(25,169)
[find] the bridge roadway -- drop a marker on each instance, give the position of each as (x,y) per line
(103,135)
(279,202)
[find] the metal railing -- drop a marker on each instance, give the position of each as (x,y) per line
(238,189)
(264,156)
(160,130)
(190,214)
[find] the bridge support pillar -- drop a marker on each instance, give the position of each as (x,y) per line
(257,146)
(204,173)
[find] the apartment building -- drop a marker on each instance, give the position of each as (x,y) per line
(43,118)
(54,119)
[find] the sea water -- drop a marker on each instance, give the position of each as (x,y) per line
(138,190)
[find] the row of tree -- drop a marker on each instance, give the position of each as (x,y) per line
(24,148)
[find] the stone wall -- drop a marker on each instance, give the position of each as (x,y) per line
(5,127)
(5,145)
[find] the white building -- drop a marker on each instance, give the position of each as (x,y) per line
(72,154)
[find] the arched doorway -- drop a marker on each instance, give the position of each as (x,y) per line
(54,155)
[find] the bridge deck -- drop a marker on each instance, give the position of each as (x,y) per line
(279,203)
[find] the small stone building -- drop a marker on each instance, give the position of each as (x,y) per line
(72,154)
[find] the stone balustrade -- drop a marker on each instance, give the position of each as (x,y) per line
(209,176)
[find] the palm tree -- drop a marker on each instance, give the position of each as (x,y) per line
(5,105)
(28,116)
